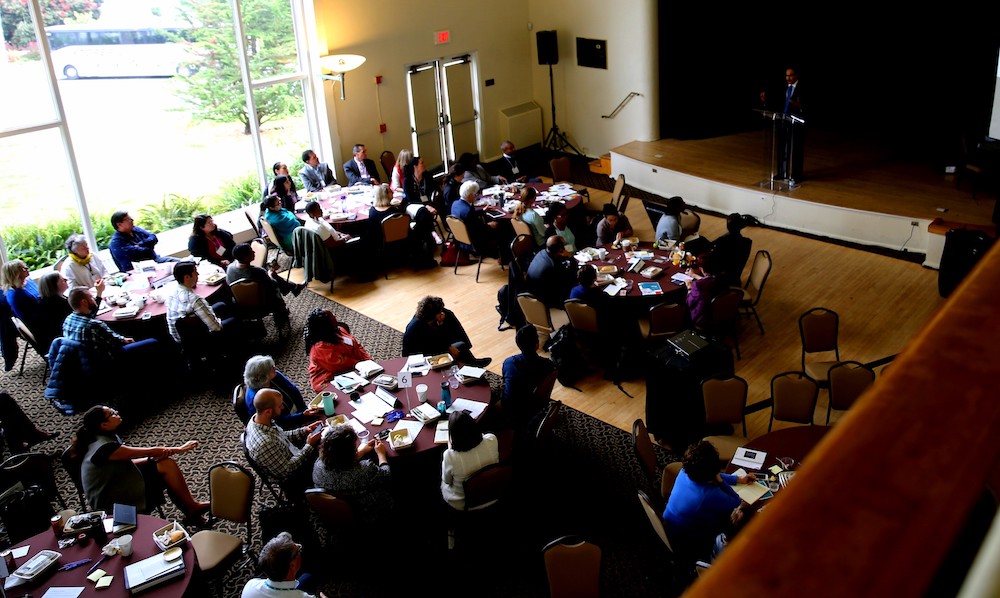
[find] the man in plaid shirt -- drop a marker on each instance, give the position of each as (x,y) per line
(103,343)
(185,302)
(274,450)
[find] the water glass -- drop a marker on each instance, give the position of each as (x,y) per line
(363,436)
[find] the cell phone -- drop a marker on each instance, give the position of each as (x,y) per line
(383,434)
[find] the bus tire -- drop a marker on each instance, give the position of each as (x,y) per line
(70,72)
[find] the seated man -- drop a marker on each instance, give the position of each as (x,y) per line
(521,374)
(132,244)
(480,232)
(552,273)
(274,285)
(360,170)
(275,450)
(102,344)
(184,302)
(315,175)
(476,172)
(510,169)
(434,330)
(281,561)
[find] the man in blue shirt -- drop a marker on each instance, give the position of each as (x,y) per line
(132,244)
(522,373)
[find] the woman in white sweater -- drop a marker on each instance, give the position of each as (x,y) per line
(468,451)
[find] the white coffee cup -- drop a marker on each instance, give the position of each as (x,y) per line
(125,544)
(422,392)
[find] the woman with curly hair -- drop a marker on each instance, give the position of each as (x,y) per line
(345,469)
(434,330)
(701,502)
(330,347)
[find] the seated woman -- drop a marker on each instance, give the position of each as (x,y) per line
(434,330)
(342,470)
(260,373)
(702,288)
(53,307)
(613,227)
(418,190)
(284,188)
(396,180)
(113,472)
(281,220)
(20,291)
(669,226)
(525,212)
(210,242)
(469,450)
(701,501)
(381,208)
(331,349)
(558,224)
(82,268)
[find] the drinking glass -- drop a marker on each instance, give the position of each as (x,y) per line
(453,376)
(363,436)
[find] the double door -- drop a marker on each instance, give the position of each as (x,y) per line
(444,110)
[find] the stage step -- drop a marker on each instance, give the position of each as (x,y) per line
(601,166)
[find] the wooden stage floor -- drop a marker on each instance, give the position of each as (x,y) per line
(847,173)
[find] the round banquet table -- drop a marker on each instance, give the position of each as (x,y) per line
(795,442)
(142,547)
(632,297)
(480,391)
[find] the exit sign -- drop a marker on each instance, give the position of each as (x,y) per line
(442,37)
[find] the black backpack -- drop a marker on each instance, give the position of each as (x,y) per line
(509,310)
(565,354)
(25,513)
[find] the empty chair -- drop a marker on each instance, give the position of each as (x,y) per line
(754,286)
(573,566)
(848,381)
(395,230)
(231,492)
(668,478)
(618,192)
(461,234)
(724,318)
(562,171)
(539,315)
(644,451)
(793,398)
(725,402)
(664,320)
(333,511)
(388,160)
(818,330)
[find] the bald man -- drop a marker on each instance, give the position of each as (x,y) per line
(277,451)
(552,273)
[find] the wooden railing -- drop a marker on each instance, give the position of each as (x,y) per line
(879,502)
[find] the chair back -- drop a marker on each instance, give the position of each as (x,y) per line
(573,566)
(57,267)
(25,333)
(548,422)
(252,212)
(395,227)
(192,331)
(618,191)
(240,403)
(249,294)
(29,469)
(759,272)
(725,310)
(536,312)
(458,230)
(272,237)
(848,381)
(259,252)
(562,170)
(582,317)
(271,484)
(522,228)
(330,509)
(231,493)
(670,473)
(388,160)
(818,329)
(725,400)
(73,463)
(644,451)
(690,223)
(543,392)
(666,319)
(654,519)
(522,248)
(793,397)
(487,485)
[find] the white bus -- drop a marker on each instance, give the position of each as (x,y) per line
(95,50)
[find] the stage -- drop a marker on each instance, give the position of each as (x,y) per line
(851,190)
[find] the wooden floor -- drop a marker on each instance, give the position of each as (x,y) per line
(881,301)
(847,173)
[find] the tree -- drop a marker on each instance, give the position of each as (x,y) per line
(16,17)
(215,88)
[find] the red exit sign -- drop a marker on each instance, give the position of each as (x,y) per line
(442,37)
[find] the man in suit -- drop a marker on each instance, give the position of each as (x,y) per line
(360,170)
(315,175)
(790,133)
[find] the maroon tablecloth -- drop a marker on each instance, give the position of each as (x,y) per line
(671,292)
(794,442)
(153,308)
(142,547)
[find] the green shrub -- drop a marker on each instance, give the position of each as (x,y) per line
(236,193)
(40,246)
(174,211)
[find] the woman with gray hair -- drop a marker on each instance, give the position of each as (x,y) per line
(260,372)
(82,268)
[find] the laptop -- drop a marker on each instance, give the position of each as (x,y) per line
(687,343)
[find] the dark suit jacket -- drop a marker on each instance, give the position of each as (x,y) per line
(505,168)
(314,179)
(354,173)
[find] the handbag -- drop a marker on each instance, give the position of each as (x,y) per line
(451,253)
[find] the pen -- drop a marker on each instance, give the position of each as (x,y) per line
(97,564)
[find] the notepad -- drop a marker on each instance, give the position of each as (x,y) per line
(441,432)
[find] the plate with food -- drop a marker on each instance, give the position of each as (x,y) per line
(215,279)
(440,361)
(604,279)
(400,439)
(607,269)
(170,535)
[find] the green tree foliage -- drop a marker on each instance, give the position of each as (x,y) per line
(40,246)
(215,90)
(16,17)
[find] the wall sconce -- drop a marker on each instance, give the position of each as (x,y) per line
(339,64)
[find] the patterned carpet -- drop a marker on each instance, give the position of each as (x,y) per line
(583,484)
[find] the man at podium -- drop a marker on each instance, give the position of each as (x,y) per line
(791,131)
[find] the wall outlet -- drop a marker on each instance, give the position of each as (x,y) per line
(382,128)
(378,79)
(914,223)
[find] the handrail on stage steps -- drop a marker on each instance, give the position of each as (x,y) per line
(627,99)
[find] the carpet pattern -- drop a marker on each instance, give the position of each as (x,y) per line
(583,484)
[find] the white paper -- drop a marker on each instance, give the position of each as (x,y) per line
(413,426)
(441,432)
(354,423)
(475,408)
(368,407)
(21,551)
(613,288)
(70,592)
(749,458)
(471,371)
(416,360)
(680,277)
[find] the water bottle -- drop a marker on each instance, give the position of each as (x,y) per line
(446,394)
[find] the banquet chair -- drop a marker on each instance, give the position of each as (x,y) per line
(271,240)
(642,444)
(540,316)
(388,160)
(618,192)
(670,473)
(487,486)
(522,250)
(310,254)
(461,234)
(547,425)
(818,330)
(848,381)
(664,320)
(252,212)
(251,301)
(655,521)
(562,170)
(31,469)
(522,228)
(231,494)
(240,403)
(272,485)
(573,567)
(725,401)
(724,317)
(259,252)
(337,513)
(754,286)
(793,398)
(690,223)
(395,230)
(29,341)
(583,320)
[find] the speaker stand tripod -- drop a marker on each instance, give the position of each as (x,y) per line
(555,139)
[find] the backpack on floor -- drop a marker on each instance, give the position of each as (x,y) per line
(565,354)
(509,310)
